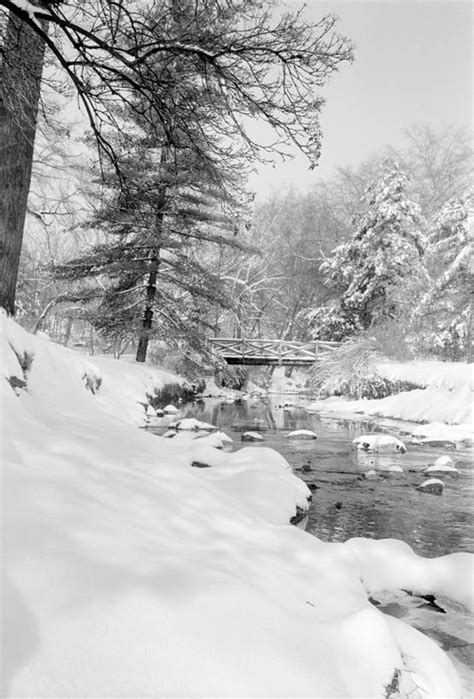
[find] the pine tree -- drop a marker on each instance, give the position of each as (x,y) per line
(171,196)
(153,271)
(379,272)
(444,315)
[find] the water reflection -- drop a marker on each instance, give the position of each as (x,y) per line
(345,504)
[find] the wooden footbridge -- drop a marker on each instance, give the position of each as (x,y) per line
(271,352)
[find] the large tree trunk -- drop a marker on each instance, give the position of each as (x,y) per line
(148,315)
(20,84)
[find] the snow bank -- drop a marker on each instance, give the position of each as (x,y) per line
(421,405)
(430,374)
(130,386)
(390,564)
(127,572)
(446,397)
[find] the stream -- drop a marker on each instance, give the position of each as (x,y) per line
(345,504)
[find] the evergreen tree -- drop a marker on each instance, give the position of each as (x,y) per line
(171,195)
(378,273)
(444,316)
(153,271)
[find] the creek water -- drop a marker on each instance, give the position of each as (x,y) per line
(345,504)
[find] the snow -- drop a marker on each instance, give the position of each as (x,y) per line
(444,464)
(224,437)
(190,423)
(439,432)
(445,397)
(429,373)
(389,564)
(31,11)
(211,440)
(379,443)
(430,482)
(251,437)
(169,434)
(302,434)
(129,387)
(129,573)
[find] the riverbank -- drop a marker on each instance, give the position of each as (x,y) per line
(443,403)
(126,570)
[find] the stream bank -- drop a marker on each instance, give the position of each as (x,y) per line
(346,504)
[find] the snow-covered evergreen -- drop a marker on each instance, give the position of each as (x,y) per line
(445,312)
(380,271)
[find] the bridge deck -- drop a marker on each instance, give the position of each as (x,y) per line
(271,352)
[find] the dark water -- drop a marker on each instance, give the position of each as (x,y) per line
(345,504)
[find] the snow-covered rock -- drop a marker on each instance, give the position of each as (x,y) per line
(444,462)
(380,443)
(390,564)
(444,465)
(190,423)
(169,434)
(371,474)
(203,454)
(302,434)
(433,486)
(225,439)
(393,468)
(211,440)
(170,410)
(251,437)
(92,377)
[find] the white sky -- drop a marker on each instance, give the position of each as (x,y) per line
(412,64)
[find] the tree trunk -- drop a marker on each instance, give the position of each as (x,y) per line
(148,315)
(154,265)
(20,85)
(67,334)
(91,339)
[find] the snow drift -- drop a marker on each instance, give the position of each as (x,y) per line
(127,572)
(444,399)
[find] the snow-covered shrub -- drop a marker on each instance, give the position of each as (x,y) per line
(92,378)
(158,395)
(351,369)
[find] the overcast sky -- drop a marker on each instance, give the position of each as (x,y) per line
(412,64)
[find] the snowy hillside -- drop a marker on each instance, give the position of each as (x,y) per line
(129,573)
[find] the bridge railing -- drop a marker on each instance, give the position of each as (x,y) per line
(271,351)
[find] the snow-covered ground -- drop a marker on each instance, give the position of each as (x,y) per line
(444,403)
(127,572)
